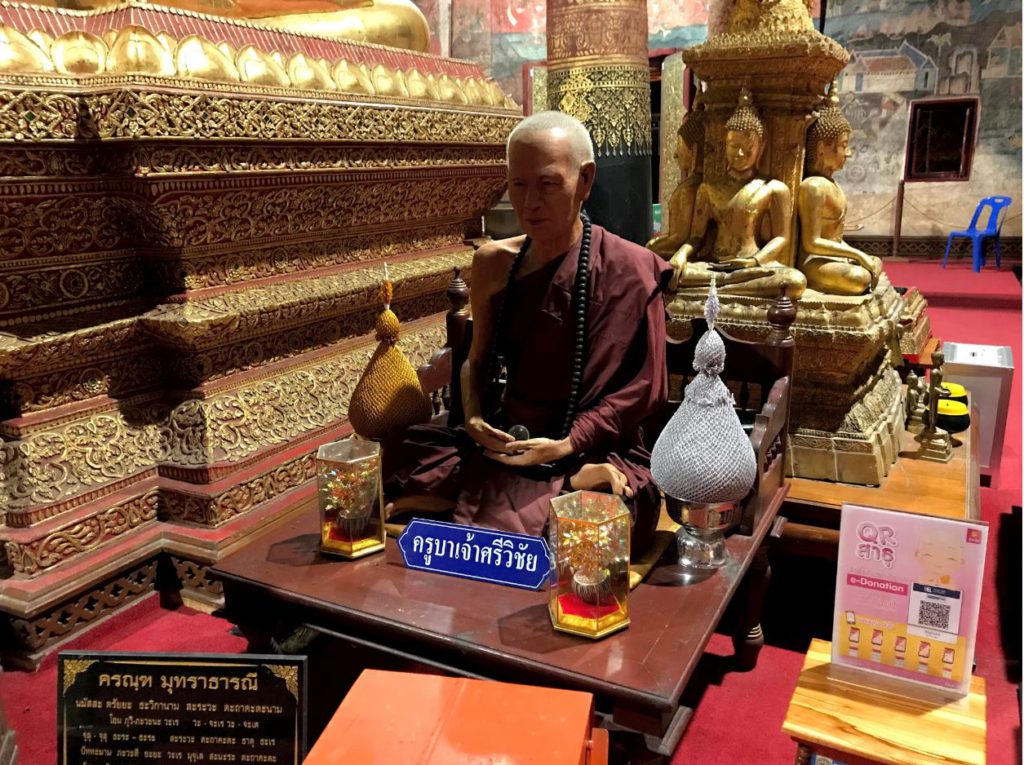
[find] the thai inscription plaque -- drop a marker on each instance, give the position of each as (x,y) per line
(118,708)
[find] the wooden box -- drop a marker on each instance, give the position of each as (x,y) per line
(395,717)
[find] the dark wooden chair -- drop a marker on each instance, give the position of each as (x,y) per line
(758,372)
(440,376)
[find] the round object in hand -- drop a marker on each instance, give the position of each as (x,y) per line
(953,416)
(519,433)
(954,392)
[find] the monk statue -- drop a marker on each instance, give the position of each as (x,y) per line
(397,23)
(689,151)
(572,319)
(741,225)
(830,264)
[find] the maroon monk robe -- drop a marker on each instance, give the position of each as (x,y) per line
(624,381)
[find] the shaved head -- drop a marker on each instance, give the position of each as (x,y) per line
(581,147)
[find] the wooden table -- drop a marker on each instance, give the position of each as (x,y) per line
(475,629)
(949,490)
(854,725)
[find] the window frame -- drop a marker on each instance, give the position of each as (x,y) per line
(968,145)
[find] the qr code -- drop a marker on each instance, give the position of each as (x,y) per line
(933,615)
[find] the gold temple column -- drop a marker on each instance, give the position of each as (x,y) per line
(598,73)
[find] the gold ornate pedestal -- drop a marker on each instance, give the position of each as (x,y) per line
(191,236)
(847,409)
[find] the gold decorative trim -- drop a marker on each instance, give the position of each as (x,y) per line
(201,269)
(156,160)
(79,57)
(211,367)
(238,315)
(73,668)
(114,377)
(212,511)
(290,675)
(614,102)
(34,115)
(52,465)
(610,31)
(33,558)
(241,23)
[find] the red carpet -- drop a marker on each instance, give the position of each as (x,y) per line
(739,716)
(957,285)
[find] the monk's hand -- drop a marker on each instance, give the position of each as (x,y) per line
(488,437)
(603,475)
(535,451)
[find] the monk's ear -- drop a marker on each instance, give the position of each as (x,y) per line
(588,171)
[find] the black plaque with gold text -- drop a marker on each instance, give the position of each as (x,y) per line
(129,708)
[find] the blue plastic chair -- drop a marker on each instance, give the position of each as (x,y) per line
(978,236)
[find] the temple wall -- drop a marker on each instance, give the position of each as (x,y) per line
(956,47)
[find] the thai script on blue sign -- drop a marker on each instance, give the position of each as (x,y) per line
(501,557)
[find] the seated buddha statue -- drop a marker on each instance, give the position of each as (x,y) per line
(397,23)
(830,264)
(741,224)
(689,150)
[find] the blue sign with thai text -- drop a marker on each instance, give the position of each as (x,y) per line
(501,557)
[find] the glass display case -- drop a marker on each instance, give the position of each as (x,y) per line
(589,536)
(348,475)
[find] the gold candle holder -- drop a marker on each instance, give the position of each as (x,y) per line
(351,498)
(589,594)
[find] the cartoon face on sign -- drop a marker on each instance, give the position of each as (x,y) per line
(940,554)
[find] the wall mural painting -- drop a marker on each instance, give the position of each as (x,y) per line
(902,50)
(520,28)
(432,10)
(471,31)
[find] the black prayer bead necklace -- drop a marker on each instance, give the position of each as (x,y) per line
(581,291)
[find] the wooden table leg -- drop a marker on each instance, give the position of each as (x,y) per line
(748,638)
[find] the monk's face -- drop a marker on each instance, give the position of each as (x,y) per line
(546,184)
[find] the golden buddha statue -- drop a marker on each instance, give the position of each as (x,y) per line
(830,264)
(689,153)
(397,23)
(741,225)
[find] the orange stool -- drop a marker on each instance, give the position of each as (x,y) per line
(395,717)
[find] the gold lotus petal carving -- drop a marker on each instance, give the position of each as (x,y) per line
(386,82)
(41,38)
(79,52)
(416,84)
(352,79)
(198,59)
(258,68)
(137,51)
(451,90)
(20,54)
(309,74)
